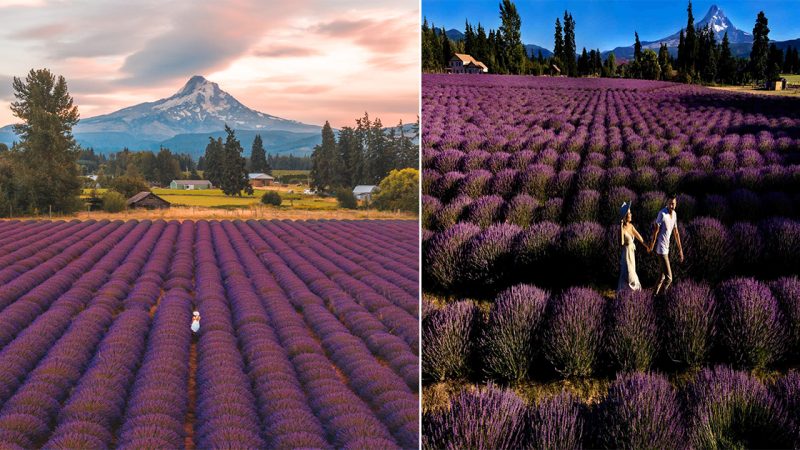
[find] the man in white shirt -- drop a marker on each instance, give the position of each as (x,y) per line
(664,227)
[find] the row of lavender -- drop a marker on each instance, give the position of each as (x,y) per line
(592,206)
(465,257)
(476,173)
(507,114)
(719,408)
(308,338)
(577,333)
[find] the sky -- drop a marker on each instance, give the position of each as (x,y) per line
(606,24)
(305,60)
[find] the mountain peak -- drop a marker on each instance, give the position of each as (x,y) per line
(196,83)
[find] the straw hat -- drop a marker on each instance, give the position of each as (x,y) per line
(623,211)
(196,314)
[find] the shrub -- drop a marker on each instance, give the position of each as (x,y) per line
(485,211)
(591,177)
(274,199)
(581,247)
(781,244)
(645,179)
(430,179)
(447,341)
(451,212)
(787,292)
(536,245)
(752,329)
(508,343)
(475,183)
(535,180)
(504,183)
(618,176)
(688,323)
(707,246)
(561,184)
(585,206)
(557,423)
(345,197)
(113,202)
(482,419)
(732,409)
(747,246)
(787,392)
(447,160)
(445,253)
(446,186)
(430,208)
(551,210)
(399,191)
(670,180)
(520,210)
(574,332)
(641,411)
(633,334)
(488,254)
(127,185)
(687,206)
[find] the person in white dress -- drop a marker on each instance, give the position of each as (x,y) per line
(628,279)
(196,322)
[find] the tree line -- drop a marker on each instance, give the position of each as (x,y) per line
(700,58)
(363,154)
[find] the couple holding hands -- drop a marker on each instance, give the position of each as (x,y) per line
(664,227)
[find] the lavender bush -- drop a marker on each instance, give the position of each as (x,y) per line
(632,335)
(574,332)
(509,341)
(447,341)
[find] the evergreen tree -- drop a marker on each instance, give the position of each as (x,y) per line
(323,162)
(569,44)
(681,51)
(213,160)
(690,42)
(351,157)
(663,61)
(234,167)
(610,69)
(727,63)
(377,159)
(637,47)
(258,157)
(774,63)
(512,50)
(481,51)
(583,63)
(558,48)
(447,48)
(759,54)
(469,39)
(167,167)
(47,153)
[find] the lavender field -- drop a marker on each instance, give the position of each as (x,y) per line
(308,337)
(523,178)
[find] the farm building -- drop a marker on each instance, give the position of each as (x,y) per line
(461,63)
(260,179)
(364,191)
(190,184)
(147,200)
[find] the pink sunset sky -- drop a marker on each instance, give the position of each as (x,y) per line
(305,60)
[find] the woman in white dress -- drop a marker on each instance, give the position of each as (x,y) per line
(628,280)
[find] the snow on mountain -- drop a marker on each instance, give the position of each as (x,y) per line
(200,106)
(715,19)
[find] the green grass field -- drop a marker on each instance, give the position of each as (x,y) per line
(214,198)
(279,173)
(791,79)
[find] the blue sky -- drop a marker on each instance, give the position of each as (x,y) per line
(606,24)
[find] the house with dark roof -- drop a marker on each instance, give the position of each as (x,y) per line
(190,184)
(147,200)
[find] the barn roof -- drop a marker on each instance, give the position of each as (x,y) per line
(141,196)
(259,176)
(364,189)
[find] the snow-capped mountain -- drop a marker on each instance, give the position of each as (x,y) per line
(715,18)
(200,106)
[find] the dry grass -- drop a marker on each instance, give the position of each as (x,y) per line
(793,90)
